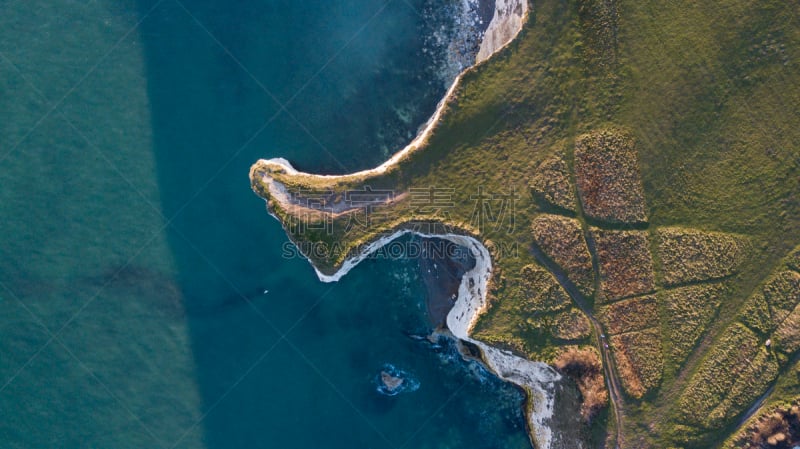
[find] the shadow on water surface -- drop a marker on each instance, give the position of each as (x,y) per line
(218,74)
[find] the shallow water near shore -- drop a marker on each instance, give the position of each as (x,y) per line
(145,301)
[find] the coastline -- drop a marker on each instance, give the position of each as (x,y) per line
(507,21)
(537,379)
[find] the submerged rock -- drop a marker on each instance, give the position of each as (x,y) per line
(393,381)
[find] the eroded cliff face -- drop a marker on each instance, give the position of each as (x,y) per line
(506,23)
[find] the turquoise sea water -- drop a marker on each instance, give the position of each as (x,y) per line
(134,257)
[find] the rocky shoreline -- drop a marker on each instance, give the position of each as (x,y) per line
(509,16)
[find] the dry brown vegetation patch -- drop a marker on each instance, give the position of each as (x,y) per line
(634,314)
(690,255)
(608,178)
(689,311)
(584,366)
(639,360)
(561,239)
(552,183)
(626,266)
(778,428)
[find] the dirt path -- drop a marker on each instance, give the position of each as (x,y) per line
(609,367)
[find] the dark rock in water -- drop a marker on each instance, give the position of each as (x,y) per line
(393,381)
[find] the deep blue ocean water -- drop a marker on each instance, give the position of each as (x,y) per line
(134,258)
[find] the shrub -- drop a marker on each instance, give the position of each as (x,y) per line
(571,324)
(764,311)
(689,255)
(639,360)
(787,336)
(535,311)
(552,183)
(726,364)
(541,291)
(607,174)
(782,294)
(626,266)
(756,314)
(777,427)
(747,387)
(629,315)
(561,239)
(793,261)
(689,311)
(740,367)
(583,365)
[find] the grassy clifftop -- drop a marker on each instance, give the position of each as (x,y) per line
(699,103)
